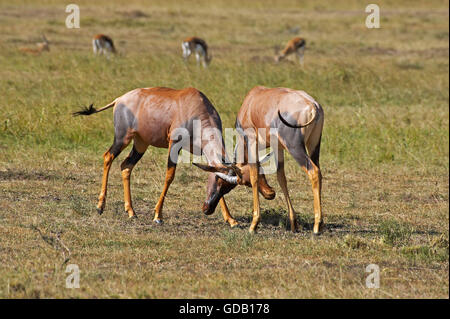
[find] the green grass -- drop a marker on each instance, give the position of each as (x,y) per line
(384,154)
(394,233)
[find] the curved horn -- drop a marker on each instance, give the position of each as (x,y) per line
(206,168)
(299,126)
(212,169)
(227,178)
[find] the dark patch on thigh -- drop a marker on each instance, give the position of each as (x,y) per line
(290,136)
(124,120)
(293,139)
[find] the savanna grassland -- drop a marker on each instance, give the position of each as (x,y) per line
(384,155)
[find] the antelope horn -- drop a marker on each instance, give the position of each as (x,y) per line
(227,178)
(208,168)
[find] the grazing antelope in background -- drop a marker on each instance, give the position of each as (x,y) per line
(298,120)
(102,44)
(199,47)
(154,116)
(41,46)
(295,45)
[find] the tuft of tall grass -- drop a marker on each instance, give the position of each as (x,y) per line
(394,233)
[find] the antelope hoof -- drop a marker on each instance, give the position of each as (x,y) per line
(233,223)
(252,231)
(294,228)
(318,229)
(134,216)
(158,221)
(99,211)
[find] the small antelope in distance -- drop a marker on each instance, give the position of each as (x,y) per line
(41,46)
(152,116)
(199,47)
(102,44)
(295,45)
(298,120)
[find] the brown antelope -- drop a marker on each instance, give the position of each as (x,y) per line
(41,46)
(199,47)
(295,45)
(296,120)
(102,44)
(158,117)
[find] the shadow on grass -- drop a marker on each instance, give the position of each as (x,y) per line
(280,218)
(25,175)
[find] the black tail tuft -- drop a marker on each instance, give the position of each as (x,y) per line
(86,111)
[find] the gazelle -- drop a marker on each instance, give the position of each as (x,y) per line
(156,116)
(295,45)
(102,44)
(199,47)
(298,121)
(41,46)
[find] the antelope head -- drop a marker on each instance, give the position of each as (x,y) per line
(221,183)
(45,45)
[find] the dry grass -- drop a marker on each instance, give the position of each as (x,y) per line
(384,154)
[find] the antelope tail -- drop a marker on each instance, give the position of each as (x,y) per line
(316,113)
(91,110)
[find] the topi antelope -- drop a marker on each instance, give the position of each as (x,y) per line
(41,46)
(102,44)
(199,47)
(295,45)
(156,116)
(297,120)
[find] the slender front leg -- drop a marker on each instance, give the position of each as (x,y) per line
(256,209)
(107,161)
(283,184)
(226,213)
(126,168)
(186,52)
(254,173)
(197,58)
(170,175)
(315,176)
(300,55)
